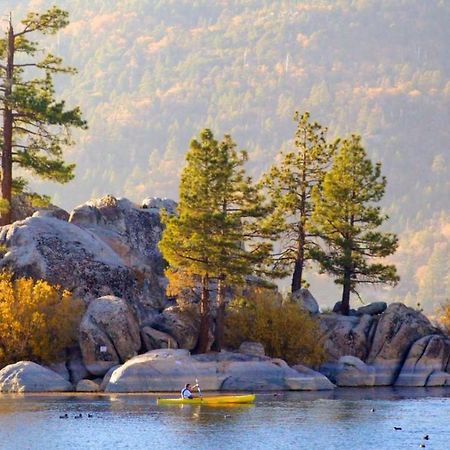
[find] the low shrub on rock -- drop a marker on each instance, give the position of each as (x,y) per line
(444,317)
(285,330)
(37,320)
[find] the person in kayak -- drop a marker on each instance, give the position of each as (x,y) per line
(186,392)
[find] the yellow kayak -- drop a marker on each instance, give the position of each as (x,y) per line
(217,400)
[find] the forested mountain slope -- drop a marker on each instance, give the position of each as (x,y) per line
(153,72)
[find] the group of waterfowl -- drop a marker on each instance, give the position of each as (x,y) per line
(425,438)
(79,416)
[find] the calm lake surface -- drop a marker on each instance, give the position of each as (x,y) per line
(338,420)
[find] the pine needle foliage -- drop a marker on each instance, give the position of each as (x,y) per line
(289,185)
(347,219)
(35,126)
(207,237)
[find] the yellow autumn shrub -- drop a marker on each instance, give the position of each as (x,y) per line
(284,329)
(444,317)
(37,320)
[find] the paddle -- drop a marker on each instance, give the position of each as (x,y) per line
(198,389)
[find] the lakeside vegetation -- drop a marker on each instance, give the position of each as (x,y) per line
(152,73)
(324,195)
(38,321)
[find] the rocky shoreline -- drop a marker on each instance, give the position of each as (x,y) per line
(134,339)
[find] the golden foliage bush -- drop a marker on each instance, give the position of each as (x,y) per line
(443,317)
(284,329)
(37,320)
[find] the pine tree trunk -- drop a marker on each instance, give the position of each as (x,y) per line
(298,265)
(345,304)
(297,275)
(6,160)
(203,337)
(220,317)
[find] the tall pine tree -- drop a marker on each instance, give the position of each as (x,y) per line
(207,237)
(289,185)
(35,126)
(347,218)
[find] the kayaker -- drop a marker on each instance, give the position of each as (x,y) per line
(186,392)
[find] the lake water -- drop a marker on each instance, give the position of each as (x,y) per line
(336,420)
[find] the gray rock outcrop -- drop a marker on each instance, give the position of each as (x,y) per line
(372,309)
(154,339)
(252,348)
(169,370)
(109,334)
(27,376)
(109,247)
(306,300)
(87,386)
(347,335)
(398,328)
(54,211)
(182,325)
(428,355)
(156,204)
(64,254)
(349,371)
(312,380)
(133,233)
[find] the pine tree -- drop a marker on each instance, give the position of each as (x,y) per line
(289,185)
(347,218)
(206,238)
(35,126)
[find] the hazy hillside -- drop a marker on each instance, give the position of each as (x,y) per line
(152,73)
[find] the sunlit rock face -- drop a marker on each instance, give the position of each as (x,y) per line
(168,369)
(27,376)
(133,233)
(108,247)
(109,334)
(399,346)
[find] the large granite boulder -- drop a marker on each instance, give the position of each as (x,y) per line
(62,253)
(53,211)
(438,378)
(154,339)
(27,376)
(346,335)
(169,370)
(349,371)
(428,355)
(398,328)
(109,334)
(109,247)
(133,233)
(306,300)
(312,380)
(163,370)
(87,386)
(372,309)
(180,323)
(156,204)
(23,207)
